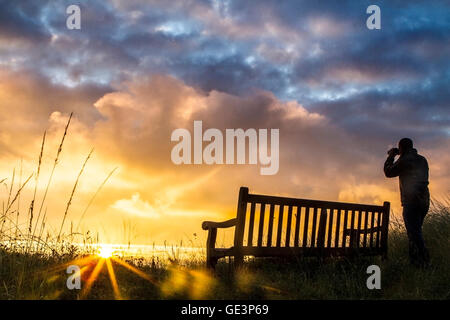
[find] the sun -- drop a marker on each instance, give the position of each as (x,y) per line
(105,252)
(93,264)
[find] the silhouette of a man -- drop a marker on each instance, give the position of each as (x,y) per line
(412,170)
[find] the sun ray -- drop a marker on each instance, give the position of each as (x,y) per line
(84,269)
(136,271)
(92,278)
(80,262)
(112,277)
(81,271)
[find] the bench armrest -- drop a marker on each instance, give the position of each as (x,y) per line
(207,225)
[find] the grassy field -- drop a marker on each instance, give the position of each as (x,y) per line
(33,263)
(36,276)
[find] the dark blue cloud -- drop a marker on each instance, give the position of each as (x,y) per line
(319,53)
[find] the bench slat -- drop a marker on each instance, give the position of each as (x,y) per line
(261,224)
(297,226)
(344,237)
(330,228)
(338,228)
(280,225)
(359,228)
(305,228)
(269,232)
(352,227)
(378,225)
(314,228)
(322,228)
(251,224)
(366,217)
(372,221)
(288,227)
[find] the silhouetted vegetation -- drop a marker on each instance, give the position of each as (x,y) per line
(30,276)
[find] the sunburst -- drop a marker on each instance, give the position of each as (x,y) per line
(104,256)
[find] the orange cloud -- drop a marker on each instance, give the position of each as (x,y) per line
(130,128)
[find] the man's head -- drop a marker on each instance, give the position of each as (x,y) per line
(404,145)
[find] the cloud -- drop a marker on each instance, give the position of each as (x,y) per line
(339,93)
(130,127)
(292,47)
(368,193)
(137,207)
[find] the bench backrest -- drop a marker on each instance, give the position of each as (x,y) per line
(267,223)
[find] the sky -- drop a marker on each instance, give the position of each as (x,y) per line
(340,94)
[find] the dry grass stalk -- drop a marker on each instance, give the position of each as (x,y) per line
(73,192)
(53,169)
(36,182)
(93,198)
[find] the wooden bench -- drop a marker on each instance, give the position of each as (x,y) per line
(269,226)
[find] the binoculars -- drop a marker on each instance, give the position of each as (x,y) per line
(395,151)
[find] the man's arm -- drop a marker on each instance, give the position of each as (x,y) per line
(391,168)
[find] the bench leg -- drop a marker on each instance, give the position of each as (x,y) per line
(238,261)
(211,263)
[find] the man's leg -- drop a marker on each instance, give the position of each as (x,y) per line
(413,217)
(424,253)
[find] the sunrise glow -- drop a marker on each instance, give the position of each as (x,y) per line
(105,252)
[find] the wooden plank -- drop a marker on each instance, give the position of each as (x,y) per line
(322,228)
(288,227)
(225,224)
(366,218)
(338,226)
(280,225)
(261,224)
(378,232)
(297,226)
(330,228)
(352,227)
(310,203)
(305,228)
(269,231)
(344,238)
(359,228)
(372,221)
(251,224)
(314,226)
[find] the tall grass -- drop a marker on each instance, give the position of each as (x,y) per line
(34,237)
(36,184)
(30,254)
(71,195)
(308,278)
